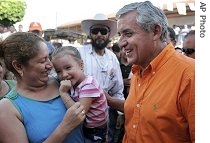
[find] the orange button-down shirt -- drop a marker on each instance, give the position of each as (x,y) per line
(160,107)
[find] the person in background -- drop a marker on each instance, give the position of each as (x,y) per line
(178,49)
(33,111)
(57,45)
(126,71)
(1,31)
(171,36)
(109,46)
(160,107)
(4,32)
(176,30)
(184,32)
(35,27)
(116,49)
(124,66)
(12,29)
(189,44)
(5,85)
(20,28)
(103,64)
(76,86)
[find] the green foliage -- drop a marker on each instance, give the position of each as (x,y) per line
(11,11)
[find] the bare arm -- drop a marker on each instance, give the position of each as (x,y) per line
(65,85)
(11,128)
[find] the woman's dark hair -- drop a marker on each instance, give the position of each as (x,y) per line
(20,47)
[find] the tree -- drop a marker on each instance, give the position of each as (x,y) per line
(11,11)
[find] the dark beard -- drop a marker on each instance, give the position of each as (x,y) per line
(99,44)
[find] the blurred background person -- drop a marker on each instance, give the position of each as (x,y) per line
(20,28)
(12,29)
(5,84)
(189,44)
(126,74)
(116,49)
(35,27)
(171,36)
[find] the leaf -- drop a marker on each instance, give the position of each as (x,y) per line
(11,11)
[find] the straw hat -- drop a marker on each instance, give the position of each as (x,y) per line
(99,19)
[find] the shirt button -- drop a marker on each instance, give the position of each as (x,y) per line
(134,126)
(137,105)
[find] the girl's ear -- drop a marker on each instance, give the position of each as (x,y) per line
(18,67)
(81,63)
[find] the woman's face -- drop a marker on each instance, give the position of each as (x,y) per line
(38,67)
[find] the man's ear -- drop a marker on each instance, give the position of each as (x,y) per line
(157,32)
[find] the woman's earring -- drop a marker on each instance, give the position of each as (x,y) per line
(21,74)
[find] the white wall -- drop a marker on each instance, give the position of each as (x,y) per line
(182,20)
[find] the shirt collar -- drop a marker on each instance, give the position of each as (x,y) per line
(155,64)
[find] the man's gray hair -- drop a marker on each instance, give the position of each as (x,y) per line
(147,17)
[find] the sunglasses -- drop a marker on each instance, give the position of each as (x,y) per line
(188,51)
(95,31)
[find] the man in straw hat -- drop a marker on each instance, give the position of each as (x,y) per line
(103,63)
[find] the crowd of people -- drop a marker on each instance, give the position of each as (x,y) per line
(140,89)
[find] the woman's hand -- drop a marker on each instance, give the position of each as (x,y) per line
(74,116)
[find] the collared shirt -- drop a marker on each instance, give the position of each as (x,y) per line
(160,107)
(105,69)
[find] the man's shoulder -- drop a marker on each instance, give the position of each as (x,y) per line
(85,48)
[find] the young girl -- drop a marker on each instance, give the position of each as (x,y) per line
(76,86)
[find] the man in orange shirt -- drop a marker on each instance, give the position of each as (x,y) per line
(160,107)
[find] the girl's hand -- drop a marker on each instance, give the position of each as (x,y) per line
(65,85)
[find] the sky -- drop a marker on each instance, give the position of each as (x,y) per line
(52,13)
